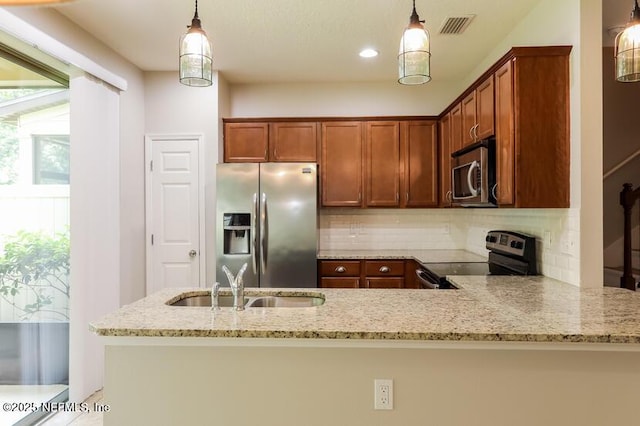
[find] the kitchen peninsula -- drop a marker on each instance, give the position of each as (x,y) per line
(517,350)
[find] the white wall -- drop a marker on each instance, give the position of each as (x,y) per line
(338,99)
(173,108)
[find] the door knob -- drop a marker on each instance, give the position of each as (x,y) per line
(193,253)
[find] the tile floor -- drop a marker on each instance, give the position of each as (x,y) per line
(91,418)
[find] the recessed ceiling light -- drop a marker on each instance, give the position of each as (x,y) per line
(368,53)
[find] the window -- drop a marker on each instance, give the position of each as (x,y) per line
(50,159)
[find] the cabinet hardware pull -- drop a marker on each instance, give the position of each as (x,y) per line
(341,269)
(475,132)
(449,194)
(384,269)
(494,191)
(275,153)
(407,197)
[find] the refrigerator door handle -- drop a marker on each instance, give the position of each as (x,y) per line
(254,236)
(264,234)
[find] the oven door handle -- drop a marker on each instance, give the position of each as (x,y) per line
(424,280)
(472,188)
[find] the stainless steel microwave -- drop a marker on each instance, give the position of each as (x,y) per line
(473,175)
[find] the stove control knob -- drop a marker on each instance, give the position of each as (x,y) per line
(491,239)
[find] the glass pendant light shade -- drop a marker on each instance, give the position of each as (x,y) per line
(414,56)
(195,56)
(628,49)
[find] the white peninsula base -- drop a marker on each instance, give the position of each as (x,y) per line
(197,381)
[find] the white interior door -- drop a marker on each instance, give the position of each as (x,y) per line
(174,213)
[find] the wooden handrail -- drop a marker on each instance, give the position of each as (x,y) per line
(628,197)
(621,164)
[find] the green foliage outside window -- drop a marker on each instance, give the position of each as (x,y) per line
(35,265)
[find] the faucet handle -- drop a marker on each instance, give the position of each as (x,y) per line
(214,295)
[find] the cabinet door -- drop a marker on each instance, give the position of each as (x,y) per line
(378,282)
(420,152)
(341,166)
(382,158)
(246,142)
(456,128)
(484,109)
(445,161)
(339,282)
(469,119)
(384,268)
(293,142)
(505,137)
(340,268)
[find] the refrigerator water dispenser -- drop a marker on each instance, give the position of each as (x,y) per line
(237,233)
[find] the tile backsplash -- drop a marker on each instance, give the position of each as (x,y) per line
(557,232)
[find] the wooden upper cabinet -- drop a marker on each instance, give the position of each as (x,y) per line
(485,115)
(456,127)
(257,142)
(478,113)
(505,141)
(445,161)
(420,161)
(292,141)
(382,163)
(341,165)
(246,142)
(532,128)
(468,118)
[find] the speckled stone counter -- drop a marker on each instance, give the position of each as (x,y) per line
(423,256)
(492,308)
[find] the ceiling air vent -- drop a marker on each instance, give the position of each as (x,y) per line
(455,24)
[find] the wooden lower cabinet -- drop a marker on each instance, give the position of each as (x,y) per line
(351,273)
(333,282)
(379,282)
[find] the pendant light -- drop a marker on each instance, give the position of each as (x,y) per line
(414,56)
(628,49)
(195,55)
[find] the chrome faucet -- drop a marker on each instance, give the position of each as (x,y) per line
(237,286)
(214,296)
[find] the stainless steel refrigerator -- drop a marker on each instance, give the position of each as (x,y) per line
(267,217)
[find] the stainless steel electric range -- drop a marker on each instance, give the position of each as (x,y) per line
(510,253)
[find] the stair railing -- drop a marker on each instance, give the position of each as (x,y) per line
(628,197)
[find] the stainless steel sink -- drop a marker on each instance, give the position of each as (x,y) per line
(205,300)
(285,302)
(225,301)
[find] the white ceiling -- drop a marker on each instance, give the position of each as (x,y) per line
(296,40)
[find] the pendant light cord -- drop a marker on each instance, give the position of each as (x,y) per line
(196,15)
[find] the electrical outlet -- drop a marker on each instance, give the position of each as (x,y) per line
(383,394)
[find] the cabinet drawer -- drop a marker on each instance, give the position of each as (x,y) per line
(384,268)
(333,282)
(340,268)
(392,282)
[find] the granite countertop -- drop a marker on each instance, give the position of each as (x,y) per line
(422,256)
(487,308)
